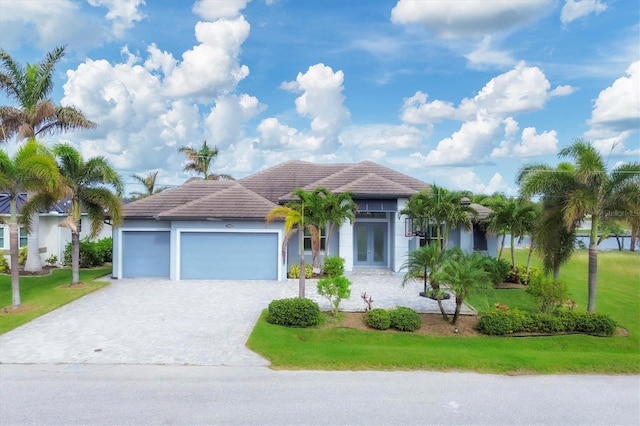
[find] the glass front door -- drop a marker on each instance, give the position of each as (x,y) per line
(371,244)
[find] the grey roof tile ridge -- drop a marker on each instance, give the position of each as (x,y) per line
(200,199)
(344,188)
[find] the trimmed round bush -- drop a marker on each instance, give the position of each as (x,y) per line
(405,319)
(378,318)
(501,323)
(294,312)
(598,324)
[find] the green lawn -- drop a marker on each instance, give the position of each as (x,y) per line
(348,349)
(44,294)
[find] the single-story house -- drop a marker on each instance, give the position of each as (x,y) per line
(216,229)
(52,238)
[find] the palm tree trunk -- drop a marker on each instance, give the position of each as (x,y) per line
(529,255)
(634,236)
(556,272)
(501,246)
(513,250)
(457,313)
(442,311)
(75,258)
(34,263)
(15,268)
(593,264)
(303,271)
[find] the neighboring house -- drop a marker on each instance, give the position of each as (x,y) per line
(52,237)
(216,229)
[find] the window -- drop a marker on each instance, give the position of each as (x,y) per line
(307,240)
(22,239)
(1,237)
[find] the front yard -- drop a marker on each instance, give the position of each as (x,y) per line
(340,347)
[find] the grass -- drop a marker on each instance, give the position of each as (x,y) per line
(42,294)
(349,349)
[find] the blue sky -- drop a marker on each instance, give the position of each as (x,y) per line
(460,93)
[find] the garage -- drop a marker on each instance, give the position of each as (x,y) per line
(146,254)
(229,255)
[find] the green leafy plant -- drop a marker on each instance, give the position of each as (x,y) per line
(378,318)
(519,275)
(22,256)
(89,254)
(550,294)
(104,247)
(52,260)
(404,319)
(497,269)
(334,289)
(4,264)
(294,312)
(294,271)
(333,266)
(503,323)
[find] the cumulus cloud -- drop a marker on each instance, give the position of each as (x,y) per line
(212,67)
(576,9)
(485,55)
(123,14)
(615,114)
(486,116)
(382,136)
(321,101)
(225,122)
(212,10)
(470,18)
(468,180)
(48,23)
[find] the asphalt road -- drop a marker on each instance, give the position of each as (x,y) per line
(67,394)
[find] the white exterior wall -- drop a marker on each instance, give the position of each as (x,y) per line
(345,249)
(400,242)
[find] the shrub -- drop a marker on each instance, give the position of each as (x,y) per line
(4,264)
(294,312)
(502,323)
(104,247)
(22,256)
(334,289)
(520,275)
(498,269)
(378,318)
(52,260)
(89,254)
(404,319)
(294,271)
(333,266)
(550,294)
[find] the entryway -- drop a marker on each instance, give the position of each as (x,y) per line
(370,244)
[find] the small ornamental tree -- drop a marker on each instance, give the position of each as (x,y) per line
(334,289)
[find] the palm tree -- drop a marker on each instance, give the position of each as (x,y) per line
(294,221)
(424,263)
(30,86)
(149,183)
(464,273)
(514,217)
(586,191)
(88,183)
(32,168)
(199,161)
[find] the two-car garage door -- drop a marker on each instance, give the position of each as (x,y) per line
(228,255)
(203,255)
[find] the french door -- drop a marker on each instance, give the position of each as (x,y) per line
(371,244)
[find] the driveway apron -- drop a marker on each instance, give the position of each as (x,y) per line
(191,322)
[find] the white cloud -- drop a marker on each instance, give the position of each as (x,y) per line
(616,112)
(277,136)
(122,13)
(416,110)
(534,144)
(468,18)
(485,55)
(382,136)
(225,122)
(212,10)
(211,68)
(468,180)
(576,9)
(562,90)
(48,23)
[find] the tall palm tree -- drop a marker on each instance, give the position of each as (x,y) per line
(89,184)
(586,192)
(35,114)
(424,263)
(199,161)
(514,217)
(149,184)
(294,221)
(31,168)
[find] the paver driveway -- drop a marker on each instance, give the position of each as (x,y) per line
(196,322)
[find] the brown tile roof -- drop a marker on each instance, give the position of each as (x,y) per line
(483,212)
(233,202)
(277,181)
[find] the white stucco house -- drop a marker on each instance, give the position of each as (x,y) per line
(216,229)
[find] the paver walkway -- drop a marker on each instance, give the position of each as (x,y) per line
(195,322)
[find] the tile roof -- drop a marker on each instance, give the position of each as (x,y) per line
(483,212)
(254,196)
(5,209)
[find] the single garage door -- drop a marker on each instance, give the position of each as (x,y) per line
(228,256)
(145,254)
